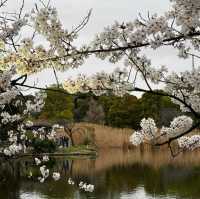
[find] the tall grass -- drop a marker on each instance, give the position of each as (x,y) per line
(104,136)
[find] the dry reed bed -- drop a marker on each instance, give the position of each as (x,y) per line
(105,136)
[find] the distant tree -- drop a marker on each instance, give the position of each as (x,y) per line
(81,106)
(57,106)
(122,111)
(95,113)
(107,101)
(160,108)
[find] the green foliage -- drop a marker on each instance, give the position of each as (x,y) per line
(79,149)
(58,106)
(43,146)
(160,108)
(81,106)
(128,110)
(122,112)
(107,102)
(111,110)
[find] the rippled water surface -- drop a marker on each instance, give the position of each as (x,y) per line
(116,175)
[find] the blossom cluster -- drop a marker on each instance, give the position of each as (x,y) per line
(147,132)
(45,173)
(178,126)
(13,149)
(101,83)
(39,161)
(60,41)
(191,142)
(13,29)
(187,14)
(30,55)
(56,176)
(129,38)
(15,109)
(7,118)
(154,30)
(42,134)
(84,186)
(149,128)
(137,138)
(185,86)
(44,170)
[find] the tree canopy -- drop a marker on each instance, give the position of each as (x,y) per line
(124,112)
(58,106)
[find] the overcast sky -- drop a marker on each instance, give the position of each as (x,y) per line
(104,13)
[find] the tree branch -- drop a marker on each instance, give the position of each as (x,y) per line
(178,136)
(121,48)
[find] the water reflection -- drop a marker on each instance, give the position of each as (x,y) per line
(138,174)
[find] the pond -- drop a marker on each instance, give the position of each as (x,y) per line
(116,174)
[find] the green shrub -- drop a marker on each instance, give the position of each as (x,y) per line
(44,146)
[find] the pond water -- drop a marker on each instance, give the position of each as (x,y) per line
(116,174)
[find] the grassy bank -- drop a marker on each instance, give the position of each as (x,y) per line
(78,150)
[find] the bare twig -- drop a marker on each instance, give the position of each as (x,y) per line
(2,3)
(56,77)
(82,24)
(21,9)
